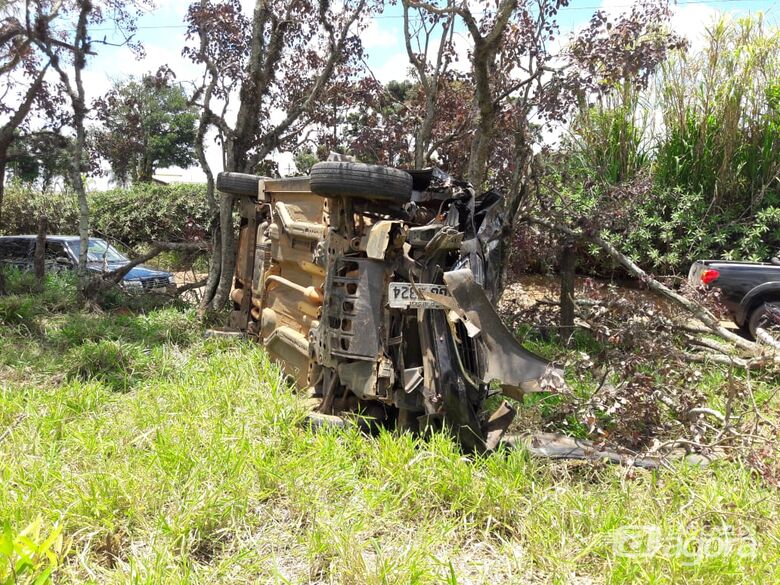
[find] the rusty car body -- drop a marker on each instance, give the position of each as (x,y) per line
(372,287)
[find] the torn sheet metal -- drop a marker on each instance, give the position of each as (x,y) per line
(507,362)
(378,239)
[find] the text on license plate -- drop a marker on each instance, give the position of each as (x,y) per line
(401,295)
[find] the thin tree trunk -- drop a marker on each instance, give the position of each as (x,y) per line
(215,269)
(77,182)
(245,146)
(39,259)
(423,139)
(519,194)
(2,187)
(228,251)
(480,148)
(483,64)
(215,264)
(7,131)
(568,265)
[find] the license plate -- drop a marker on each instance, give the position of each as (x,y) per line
(401,295)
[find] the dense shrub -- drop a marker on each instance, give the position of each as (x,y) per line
(23,204)
(147,212)
(675,226)
(688,169)
(133,216)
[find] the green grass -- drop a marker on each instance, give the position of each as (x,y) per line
(167,458)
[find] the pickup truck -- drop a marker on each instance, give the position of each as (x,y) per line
(750,290)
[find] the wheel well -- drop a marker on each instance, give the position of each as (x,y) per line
(768,297)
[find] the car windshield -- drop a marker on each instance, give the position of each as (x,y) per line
(98,250)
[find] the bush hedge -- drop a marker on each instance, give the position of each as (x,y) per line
(135,215)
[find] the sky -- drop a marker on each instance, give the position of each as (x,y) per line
(162,32)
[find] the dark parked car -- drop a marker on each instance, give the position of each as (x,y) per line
(62,253)
(750,290)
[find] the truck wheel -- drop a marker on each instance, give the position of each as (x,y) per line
(373,182)
(238,183)
(757,318)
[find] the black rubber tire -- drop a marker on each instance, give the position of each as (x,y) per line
(238,183)
(755,319)
(372,182)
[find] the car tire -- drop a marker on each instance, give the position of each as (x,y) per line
(756,317)
(357,180)
(239,183)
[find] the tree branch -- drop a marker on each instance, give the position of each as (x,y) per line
(698,311)
(115,276)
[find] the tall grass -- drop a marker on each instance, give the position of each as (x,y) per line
(721,117)
(707,132)
(610,139)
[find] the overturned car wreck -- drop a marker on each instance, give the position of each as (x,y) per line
(372,287)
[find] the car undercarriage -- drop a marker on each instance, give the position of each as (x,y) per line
(373,288)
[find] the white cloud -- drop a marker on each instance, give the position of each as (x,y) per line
(689,20)
(394,67)
(376,36)
(615,7)
(692,20)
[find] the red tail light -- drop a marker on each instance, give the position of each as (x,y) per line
(709,276)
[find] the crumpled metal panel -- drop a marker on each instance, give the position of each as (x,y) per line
(506,361)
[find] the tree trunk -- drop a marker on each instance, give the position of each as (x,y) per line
(266,50)
(39,259)
(483,66)
(424,135)
(145,173)
(519,193)
(568,265)
(228,252)
(215,269)
(215,265)
(8,129)
(2,187)
(77,182)
(480,148)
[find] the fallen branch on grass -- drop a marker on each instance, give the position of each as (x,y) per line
(190,286)
(763,336)
(701,313)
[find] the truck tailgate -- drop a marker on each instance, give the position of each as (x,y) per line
(697,268)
